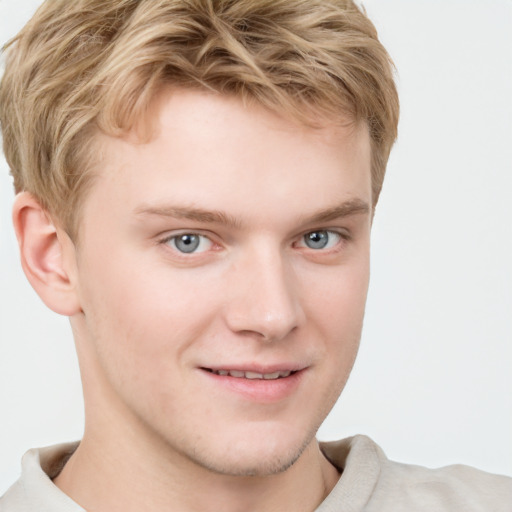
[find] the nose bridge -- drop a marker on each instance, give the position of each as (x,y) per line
(266,301)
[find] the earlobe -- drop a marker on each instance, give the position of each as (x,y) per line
(47,255)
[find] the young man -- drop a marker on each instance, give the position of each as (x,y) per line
(196,183)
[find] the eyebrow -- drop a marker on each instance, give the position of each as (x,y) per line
(190,213)
(345,209)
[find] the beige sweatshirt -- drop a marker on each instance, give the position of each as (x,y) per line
(369,483)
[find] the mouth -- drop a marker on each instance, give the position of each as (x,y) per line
(257,384)
(240,374)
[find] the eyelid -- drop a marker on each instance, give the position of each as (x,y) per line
(343,235)
(169,236)
(173,233)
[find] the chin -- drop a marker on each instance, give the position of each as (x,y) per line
(259,465)
(259,455)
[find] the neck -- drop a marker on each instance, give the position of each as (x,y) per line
(114,475)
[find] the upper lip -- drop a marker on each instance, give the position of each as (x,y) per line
(256,368)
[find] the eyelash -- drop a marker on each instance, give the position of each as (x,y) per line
(343,236)
(174,238)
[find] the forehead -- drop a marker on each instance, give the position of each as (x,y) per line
(212,150)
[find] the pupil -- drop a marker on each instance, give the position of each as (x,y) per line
(187,243)
(317,240)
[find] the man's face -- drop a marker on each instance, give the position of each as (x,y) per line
(222,272)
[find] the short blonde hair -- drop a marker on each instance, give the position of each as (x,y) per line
(86,65)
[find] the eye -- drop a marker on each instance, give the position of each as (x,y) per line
(188,243)
(321,239)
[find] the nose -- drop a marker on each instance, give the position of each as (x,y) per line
(264,301)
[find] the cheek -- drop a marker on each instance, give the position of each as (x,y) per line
(337,312)
(142,310)
(338,297)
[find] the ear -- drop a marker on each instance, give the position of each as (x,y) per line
(47,255)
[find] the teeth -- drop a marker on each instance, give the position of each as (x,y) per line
(252,375)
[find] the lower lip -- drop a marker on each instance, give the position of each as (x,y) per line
(258,390)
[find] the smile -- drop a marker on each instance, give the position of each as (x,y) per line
(251,375)
(255,383)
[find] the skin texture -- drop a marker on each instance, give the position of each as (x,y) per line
(150,321)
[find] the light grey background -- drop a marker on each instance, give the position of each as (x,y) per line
(433,382)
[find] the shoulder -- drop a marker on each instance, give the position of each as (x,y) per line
(35,490)
(393,486)
(444,489)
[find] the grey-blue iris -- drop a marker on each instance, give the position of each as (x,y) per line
(317,239)
(187,243)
